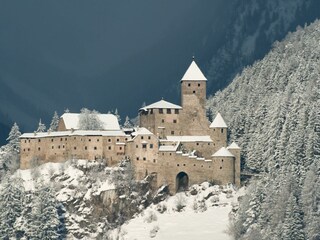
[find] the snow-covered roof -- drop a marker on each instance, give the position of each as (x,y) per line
(218,122)
(109,121)
(189,138)
(168,148)
(161,104)
(223,152)
(118,133)
(193,73)
(233,145)
(141,131)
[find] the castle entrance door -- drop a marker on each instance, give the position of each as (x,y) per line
(182,182)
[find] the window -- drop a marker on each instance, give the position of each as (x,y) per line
(144,159)
(137,158)
(120,148)
(168,111)
(141,137)
(151,145)
(149,137)
(197,144)
(62,146)
(137,146)
(118,140)
(109,147)
(28,149)
(60,139)
(178,165)
(25,141)
(38,149)
(220,167)
(160,110)
(194,91)
(151,111)
(89,140)
(86,148)
(109,140)
(65,139)
(198,84)
(144,145)
(59,146)
(95,148)
(184,164)
(176,111)
(98,140)
(51,139)
(189,84)
(74,138)
(154,160)
(194,165)
(39,140)
(221,130)
(52,147)
(172,132)
(208,144)
(174,120)
(75,148)
(221,160)
(162,120)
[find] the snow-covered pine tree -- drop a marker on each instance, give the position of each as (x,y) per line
(11,198)
(127,123)
(41,127)
(13,138)
(48,214)
(117,115)
(54,122)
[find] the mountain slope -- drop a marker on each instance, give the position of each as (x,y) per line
(273,112)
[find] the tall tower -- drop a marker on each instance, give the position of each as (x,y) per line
(193,88)
(193,99)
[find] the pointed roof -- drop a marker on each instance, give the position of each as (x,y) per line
(218,122)
(223,152)
(193,73)
(161,104)
(233,146)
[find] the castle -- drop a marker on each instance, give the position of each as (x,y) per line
(175,144)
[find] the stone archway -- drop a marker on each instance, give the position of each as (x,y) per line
(182,182)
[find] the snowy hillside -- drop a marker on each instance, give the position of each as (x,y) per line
(273,111)
(200,213)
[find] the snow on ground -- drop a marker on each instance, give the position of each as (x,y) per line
(205,216)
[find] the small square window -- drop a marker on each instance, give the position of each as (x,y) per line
(149,137)
(120,148)
(141,137)
(98,140)
(89,140)
(160,110)
(137,146)
(194,91)
(154,160)
(198,84)
(174,120)
(65,139)
(75,148)
(176,111)
(221,130)
(189,84)
(85,148)
(162,120)
(151,111)
(38,149)
(168,111)
(197,144)
(144,145)
(95,148)
(137,158)
(60,139)
(52,147)
(109,140)
(109,147)
(172,132)
(144,159)
(151,145)
(118,140)
(52,140)
(39,140)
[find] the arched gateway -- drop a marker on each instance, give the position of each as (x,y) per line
(182,181)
